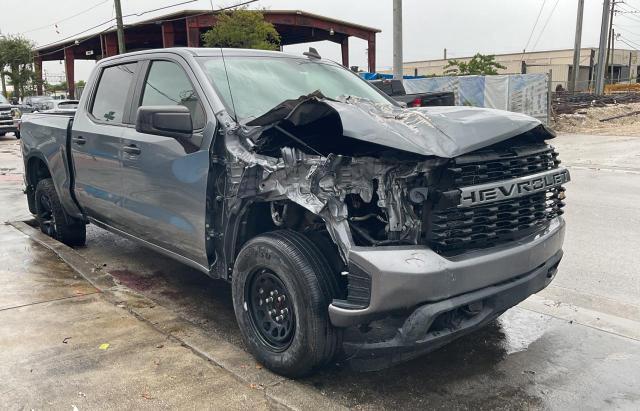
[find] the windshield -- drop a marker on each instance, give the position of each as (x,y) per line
(258,84)
(3,100)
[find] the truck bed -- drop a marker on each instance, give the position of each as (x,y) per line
(45,138)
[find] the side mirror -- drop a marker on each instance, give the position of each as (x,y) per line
(168,121)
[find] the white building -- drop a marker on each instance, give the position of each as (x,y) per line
(560,62)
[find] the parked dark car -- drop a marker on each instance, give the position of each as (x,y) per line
(395,89)
(329,207)
(9,118)
(38,103)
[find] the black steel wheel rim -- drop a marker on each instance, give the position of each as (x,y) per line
(271,309)
(45,215)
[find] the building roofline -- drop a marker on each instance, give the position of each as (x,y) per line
(183,14)
(528,53)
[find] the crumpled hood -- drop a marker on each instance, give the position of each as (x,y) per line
(431,131)
(440,131)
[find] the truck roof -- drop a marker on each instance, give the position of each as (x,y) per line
(206,52)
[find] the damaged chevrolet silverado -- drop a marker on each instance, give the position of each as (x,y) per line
(349,226)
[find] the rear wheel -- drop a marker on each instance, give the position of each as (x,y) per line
(282,287)
(17,134)
(52,218)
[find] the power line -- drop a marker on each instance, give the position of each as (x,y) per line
(545,25)
(533,28)
(633,47)
(636,45)
(66,18)
(147,12)
(130,15)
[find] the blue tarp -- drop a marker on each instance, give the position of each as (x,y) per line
(380,76)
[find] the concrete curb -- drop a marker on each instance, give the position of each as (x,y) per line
(282,393)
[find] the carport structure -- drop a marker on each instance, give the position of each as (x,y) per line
(185,28)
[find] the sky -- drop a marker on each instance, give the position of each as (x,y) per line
(464,27)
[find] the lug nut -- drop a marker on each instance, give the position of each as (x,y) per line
(272,312)
(281,298)
(269,300)
(261,291)
(284,311)
(279,318)
(273,293)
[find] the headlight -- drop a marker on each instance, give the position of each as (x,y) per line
(15,113)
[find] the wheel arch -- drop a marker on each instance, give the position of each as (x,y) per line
(36,169)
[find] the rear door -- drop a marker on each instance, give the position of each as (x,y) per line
(97,142)
(166,178)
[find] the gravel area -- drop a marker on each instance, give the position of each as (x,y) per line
(588,120)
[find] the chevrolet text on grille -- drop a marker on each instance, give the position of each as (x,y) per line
(516,187)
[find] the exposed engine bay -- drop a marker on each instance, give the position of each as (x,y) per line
(392,177)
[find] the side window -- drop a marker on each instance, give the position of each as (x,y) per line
(111,97)
(167,84)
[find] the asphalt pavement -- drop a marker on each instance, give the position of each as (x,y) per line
(575,345)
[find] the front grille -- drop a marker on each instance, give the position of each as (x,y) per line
(450,229)
(457,229)
(501,164)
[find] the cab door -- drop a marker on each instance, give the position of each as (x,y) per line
(165,179)
(97,141)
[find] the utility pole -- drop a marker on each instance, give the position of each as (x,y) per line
(445,54)
(397,39)
(602,49)
(121,48)
(612,51)
(577,46)
(613,10)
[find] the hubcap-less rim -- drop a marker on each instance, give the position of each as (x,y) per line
(270,309)
(47,220)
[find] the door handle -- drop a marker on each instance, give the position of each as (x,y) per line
(131,149)
(79,140)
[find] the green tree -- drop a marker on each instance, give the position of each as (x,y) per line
(479,65)
(16,53)
(242,28)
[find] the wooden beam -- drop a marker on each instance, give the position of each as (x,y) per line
(344,47)
(110,44)
(69,69)
(371,52)
(168,34)
(193,31)
(37,62)
(309,21)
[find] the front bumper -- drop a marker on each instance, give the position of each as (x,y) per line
(9,126)
(431,326)
(404,277)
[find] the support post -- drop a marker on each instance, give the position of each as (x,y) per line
(69,67)
(37,63)
(110,45)
(577,46)
(371,53)
(397,39)
(613,53)
(193,32)
(344,48)
(168,34)
(602,49)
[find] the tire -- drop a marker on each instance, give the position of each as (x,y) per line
(52,218)
(290,264)
(17,134)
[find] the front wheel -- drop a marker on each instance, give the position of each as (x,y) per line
(52,218)
(282,287)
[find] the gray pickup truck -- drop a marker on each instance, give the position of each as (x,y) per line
(9,118)
(349,226)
